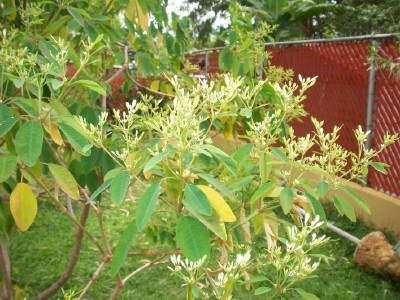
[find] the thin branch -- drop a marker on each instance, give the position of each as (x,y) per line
(155,262)
(212,283)
(146,88)
(120,284)
(73,260)
(94,276)
(155,252)
(5,269)
(118,287)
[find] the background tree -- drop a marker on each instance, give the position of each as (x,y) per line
(352,17)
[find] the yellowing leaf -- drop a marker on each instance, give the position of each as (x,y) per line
(11,4)
(23,206)
(228,129)
(218,204)
(143,19)
(147,174)
(160,39)
(131,11)
(65,180)
(55,134)
(109,5)
(155,85)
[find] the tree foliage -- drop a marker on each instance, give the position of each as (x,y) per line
(61,144)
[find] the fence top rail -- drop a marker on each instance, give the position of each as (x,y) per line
(309,41)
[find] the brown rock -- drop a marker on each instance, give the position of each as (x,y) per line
(375,254)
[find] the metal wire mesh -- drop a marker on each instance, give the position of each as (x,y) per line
(340,95)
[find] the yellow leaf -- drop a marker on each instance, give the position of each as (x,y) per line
(131,11)
(155,85)
(11,4)
(143,18)
(23,206)
(228,129)
(109,5)
(218,204)
(55,134)
(169,90)
(147,174)
(160,39)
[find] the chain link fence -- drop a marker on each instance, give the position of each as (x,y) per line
(350,91)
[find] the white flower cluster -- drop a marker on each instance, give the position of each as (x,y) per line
(186,269)
(295,261)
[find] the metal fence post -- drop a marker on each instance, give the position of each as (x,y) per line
(371,97)
(207,65)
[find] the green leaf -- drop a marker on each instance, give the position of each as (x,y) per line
(23,206)
(239,183)
(7,120)
(228,162)
(99,190)
(7,166)
(197,200)
(242,153)
(287,199)
(146,65)
(277,8)
(280,154)
(121,251)
(77,140)
(262,290)
(91,85)
(317,208)
(56,84)
(28,142)
(146,205)
(345,207)
(193,238)
(214,222)
(379,166)
(155,160)
(56,25)
(262,190)
(112,173)
(18,82)
(65,180)
(306,295)
(76,15)
(214,150)
(119,186)
(356,198)
(217,184)
(265,166)
(8,124)
(226,59)
(322,188)
(5,113)
(256,279)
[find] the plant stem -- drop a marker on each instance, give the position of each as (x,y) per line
(95,276)
(155,262)
(5,268)
(120,283)
(212,283)
(73,260)
(155,252)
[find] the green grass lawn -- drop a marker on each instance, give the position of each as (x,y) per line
(40,255)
